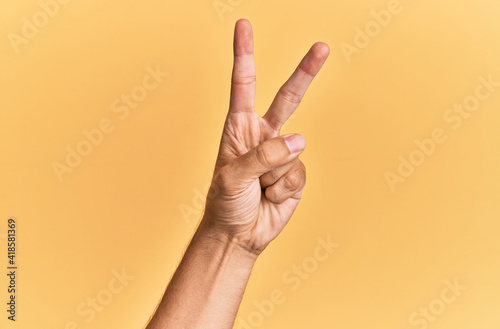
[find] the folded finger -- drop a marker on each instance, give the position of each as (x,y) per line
(291,183)
(273,176)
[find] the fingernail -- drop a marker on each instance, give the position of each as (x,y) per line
(295,143)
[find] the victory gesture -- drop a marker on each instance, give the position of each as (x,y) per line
(258,177)
(257,184)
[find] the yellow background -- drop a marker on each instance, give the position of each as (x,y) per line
(121,207)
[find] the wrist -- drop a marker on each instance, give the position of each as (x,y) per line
(222,239)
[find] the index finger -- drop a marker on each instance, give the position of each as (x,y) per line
(293,90)
(243,77)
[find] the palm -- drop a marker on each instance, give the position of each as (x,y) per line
(242,132)
(244,206)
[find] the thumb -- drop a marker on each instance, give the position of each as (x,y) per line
(268,155)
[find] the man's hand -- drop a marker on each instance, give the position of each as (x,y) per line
(258,178)
(257,185)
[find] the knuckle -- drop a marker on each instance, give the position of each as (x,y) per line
(273,176)
(263,156)
(303,172)
(292,181)
(273,195)
(290,95)
(223,178)
(274,122)
(306,71)
(267,179)
(301,169)
(301,166)
(244,79)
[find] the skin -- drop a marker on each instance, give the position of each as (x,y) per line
(257,184)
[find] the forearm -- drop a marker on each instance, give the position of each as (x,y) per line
(207,287)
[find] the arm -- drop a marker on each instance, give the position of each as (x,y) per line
(206,289)
(257,184)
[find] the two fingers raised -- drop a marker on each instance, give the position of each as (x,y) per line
(289,95)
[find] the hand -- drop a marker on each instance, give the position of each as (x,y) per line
(258,177)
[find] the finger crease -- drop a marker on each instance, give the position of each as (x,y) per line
(306,72)
(245,80)
(290,96)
